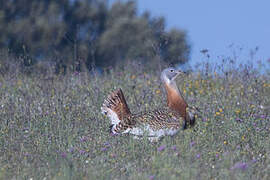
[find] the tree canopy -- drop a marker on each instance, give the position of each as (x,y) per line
(87,32)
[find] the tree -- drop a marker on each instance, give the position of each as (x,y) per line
(87,33)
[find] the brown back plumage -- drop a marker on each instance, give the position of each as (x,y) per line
(117,103)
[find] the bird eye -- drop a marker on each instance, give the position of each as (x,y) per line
(172,70)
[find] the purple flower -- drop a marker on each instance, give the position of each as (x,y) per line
(239,165)
(113,155)
(174,148)
(71,150)
(192,143)
(151,177)
(63,154)
(83,139)
(254,160)
(82,151)
(239,120)
(161,148)
(104,149)
(263,116)
(198,156)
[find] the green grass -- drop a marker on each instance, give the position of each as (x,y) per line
(52,127)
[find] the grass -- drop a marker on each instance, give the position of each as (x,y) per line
(52,128)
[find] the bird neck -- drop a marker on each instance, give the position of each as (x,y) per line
(175,100)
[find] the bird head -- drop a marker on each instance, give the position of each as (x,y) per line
(168,75)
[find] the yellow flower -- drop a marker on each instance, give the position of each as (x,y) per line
(237,111)
(133,76)
(225,142)
(252,106)
(243,138)
(158,91)
(217,113)
(19,82)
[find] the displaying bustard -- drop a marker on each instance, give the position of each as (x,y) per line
(166,120)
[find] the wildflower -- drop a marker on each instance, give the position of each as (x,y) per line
(198,156)
(217,113)
(133,77)
(239,120)
(113,155)
(158,91)
(254,160)
(104,149)
(192,143)
(83,139)
(71,149)
(184,91)
(63,155)
(237,111)
(220,110)
(151,177)
(82,152)
(225,142)
(174,148)
(19,83)
(239,165)
(161,148)
(243,138)
(263,116)
(252,106)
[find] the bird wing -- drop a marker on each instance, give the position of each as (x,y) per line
(160,118)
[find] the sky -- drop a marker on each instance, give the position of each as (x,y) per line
(221,26)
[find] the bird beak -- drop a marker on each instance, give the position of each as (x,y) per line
(179,72)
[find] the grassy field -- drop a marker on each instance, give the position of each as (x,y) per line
(51,127)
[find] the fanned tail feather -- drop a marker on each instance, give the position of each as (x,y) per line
(115,107)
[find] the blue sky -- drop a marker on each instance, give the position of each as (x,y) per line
(216,24)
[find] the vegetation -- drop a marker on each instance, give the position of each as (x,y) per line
(83,34)
(51,126)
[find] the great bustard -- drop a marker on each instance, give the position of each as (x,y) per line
(154,124)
